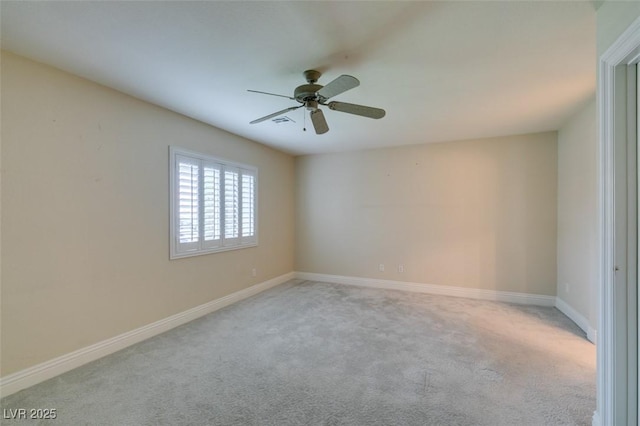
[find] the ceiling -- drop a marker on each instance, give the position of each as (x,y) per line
(442,70)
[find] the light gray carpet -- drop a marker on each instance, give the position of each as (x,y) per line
(308,353)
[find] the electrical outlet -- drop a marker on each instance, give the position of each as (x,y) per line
(401,268)
(381,267)
(253,272)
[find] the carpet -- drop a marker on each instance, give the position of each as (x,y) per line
(311,353)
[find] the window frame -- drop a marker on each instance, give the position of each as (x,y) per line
(179,250)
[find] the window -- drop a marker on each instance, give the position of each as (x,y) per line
(213,204)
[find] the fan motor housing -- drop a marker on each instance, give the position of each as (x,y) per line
(306,92)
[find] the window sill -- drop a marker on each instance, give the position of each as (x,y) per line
(175,256)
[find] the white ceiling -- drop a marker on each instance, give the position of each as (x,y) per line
(442,70)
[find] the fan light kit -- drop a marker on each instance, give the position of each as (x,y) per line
(312,95)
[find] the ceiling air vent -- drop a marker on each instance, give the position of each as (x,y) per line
(283,119)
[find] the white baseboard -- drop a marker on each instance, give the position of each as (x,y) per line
(578,318)
(595,420)
(49,369)
(470,293)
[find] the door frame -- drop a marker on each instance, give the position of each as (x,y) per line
(617,344)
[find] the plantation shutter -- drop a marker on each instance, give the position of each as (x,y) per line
(211,205)
(248,206)
(188,203)
(231,206)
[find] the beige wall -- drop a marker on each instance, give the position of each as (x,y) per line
(479,214)
(578,212)
(85,218)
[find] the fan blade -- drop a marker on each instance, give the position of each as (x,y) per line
(362,110)
(275,114)
(337,86)
(272,94)
(319,123)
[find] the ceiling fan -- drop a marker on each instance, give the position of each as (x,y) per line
(312,95)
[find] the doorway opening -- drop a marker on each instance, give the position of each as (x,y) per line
(618,284)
